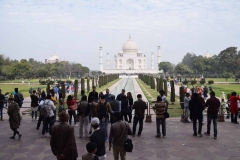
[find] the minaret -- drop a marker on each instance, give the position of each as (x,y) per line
(100,59)
(108,66)
(159,55)
(152,59)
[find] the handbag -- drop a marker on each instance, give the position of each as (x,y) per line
(166,114)
(128,143)
(73,107)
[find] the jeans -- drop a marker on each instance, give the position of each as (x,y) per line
(40,119)
(211,117)
(34,113)
(135,122)
(119,150)
(48,121)
(125,116)
(1,110)
(104,124)
(186,111)
(130,115)
(234,118)
(83,122)
(15,131)
(199,118)
(72,113)
(161,121)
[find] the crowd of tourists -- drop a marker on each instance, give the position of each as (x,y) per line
(99,110)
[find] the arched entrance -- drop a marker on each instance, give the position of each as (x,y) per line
(130,64)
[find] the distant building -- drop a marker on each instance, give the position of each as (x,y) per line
(53,59)
(207,55)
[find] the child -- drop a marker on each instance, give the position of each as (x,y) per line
(91,148)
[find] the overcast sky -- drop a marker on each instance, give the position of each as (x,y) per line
(74,30)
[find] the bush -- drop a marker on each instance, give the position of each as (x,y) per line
(185,82)
(42,82)
(202,81)
(210,82)
(69,81)
(193,82)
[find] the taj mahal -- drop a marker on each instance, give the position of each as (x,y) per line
(129,60)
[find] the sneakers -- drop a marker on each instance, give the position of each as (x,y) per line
(199,134)
(163,136)
(207,134)
(76,125)
(195,134)
(19,137)
(158,136)
(13,137)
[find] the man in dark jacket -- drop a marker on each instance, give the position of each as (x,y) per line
(115,107)
(18,98)
(83,112)
(213,105)
(119,97)
(140,106)
(63,145)
(93,94)
(98,137)
(196,108)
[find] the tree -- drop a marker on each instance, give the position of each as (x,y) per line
(182,69)
(172,91)
(188,59)
(237,75)
(165,87)
(76,88)
(165,66)
(82,83)
(227,75)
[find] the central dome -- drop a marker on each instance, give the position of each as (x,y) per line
(130,46)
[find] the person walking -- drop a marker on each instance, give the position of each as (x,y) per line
(213,105)
(124,108)
(14,117)
(91,149)
(18,97)
(93,111)
(234,107)
(41,117)
(98,137)
(2,99)
(160,108)
(203,103)
(115,107)
(103,110)
(62,142)
(118,135)
(34,104)
(187,98)
(130,103)
(49,107)
(70,102)
(196,107)
(82,94)
(140,106)
(92,94)
(83,112)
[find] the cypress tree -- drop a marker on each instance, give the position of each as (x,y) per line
(165,87)
(181,97)
(82,83)
(161,84)
(76,88)
(172,91)
(63,90)
(88,85)
(153,83)
(48,88)
(92,82)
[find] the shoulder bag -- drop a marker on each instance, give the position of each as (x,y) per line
(128,143)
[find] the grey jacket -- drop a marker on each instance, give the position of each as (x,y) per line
(186,101)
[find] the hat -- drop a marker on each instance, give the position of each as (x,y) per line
(95,121)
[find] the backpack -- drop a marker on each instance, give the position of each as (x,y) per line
(102,112)
(44,110)
(128,145)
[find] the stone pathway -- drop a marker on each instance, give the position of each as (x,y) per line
(179,143)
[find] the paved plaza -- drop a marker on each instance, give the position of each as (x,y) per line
(178,144)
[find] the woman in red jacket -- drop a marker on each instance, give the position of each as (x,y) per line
(234,107)
(70,102)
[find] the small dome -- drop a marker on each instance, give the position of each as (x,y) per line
(54,57)
(130,46)
(139,51)
(120,51)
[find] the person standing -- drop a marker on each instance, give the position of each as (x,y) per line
(107,95)
(83,112)
(160,108)
(93,94)
(93,111)
(70,102)
(205,93)
(41,118)
(6,96)
(98,137)
(2,99)
(130,103)
(18,97)
(118,135)
(103,110)
(115,107)
(34,104)
(140,106)
(49,118)
(62,142)
(234,107)
(54,99)
(91,149)
(124,108)
(119,97)
(213,105)
(14,117)
(82,94)
(187,98)
(196,107)
(203,103)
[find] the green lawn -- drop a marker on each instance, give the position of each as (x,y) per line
(151,95)
(221,79)
(23,88)
(227,88)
